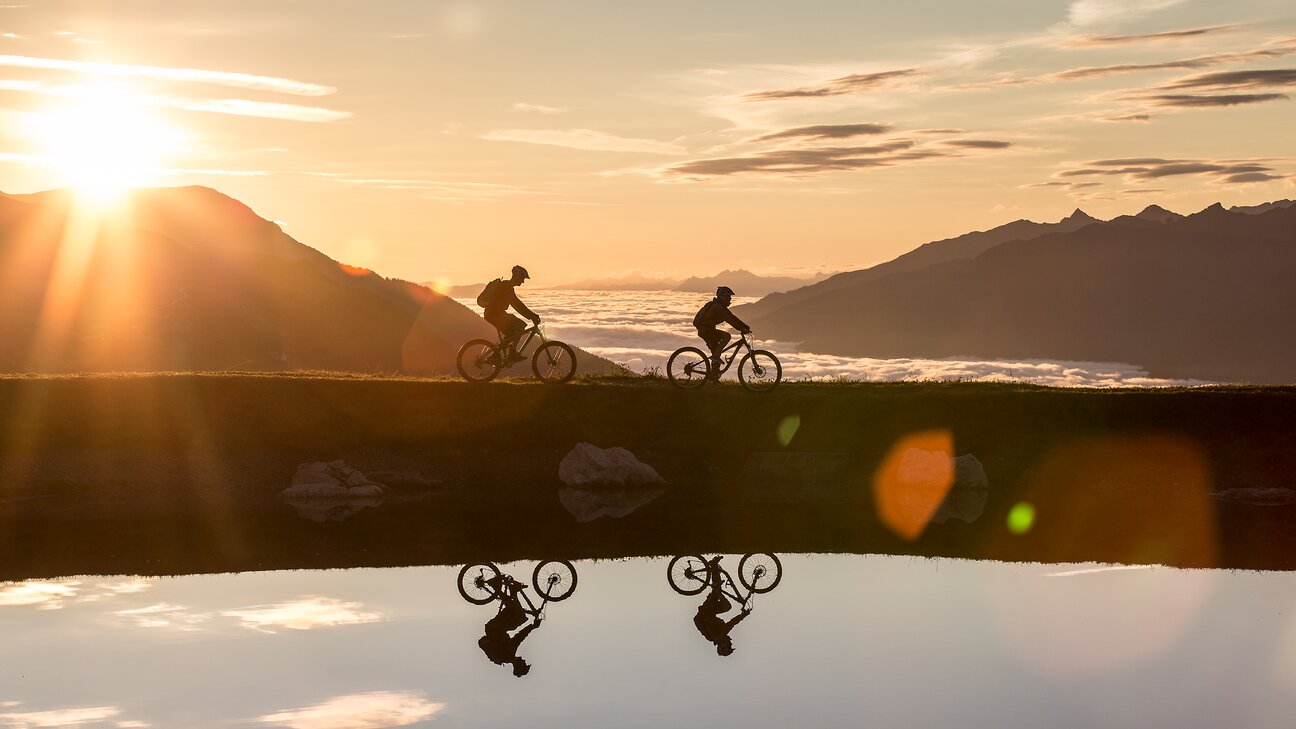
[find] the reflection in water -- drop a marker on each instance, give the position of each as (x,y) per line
(483,583)
(691,574)
(85,716)
(304,614)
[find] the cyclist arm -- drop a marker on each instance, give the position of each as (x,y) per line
(520,307)
(735,322)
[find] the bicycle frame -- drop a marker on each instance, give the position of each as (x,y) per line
(742,341)
(529,333)
(521,592)
(721,574)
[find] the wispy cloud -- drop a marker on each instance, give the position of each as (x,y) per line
(827,131)
(1099,12)
(1135,169)
(1169,35)
(167,73)
(537,108)
(69,717)
(236,107)
(374,710)
(851,84)
(442,189)
(584,139)
(304,614)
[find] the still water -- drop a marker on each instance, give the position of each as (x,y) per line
(840,641)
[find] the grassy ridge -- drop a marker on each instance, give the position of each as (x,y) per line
(180,473)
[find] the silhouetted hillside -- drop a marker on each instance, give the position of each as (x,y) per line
(191,279)
(929,254)
(1207,296)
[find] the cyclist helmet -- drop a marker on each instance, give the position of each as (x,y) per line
(724,291)
(518,270)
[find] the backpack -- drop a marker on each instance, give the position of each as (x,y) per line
(699,317)
(491,294)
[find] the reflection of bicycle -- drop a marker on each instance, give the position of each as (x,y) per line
(758,573)
(759,370)
(554,581)
(554,362)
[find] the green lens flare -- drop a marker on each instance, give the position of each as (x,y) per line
(1020,518)
(788,428)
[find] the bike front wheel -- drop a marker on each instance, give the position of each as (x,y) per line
(478,361)
(760,371)
(688,368)
(474,585)
(760,573)
(555,579)
(554,363)
(687,574)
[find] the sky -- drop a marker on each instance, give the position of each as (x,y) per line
(447,140)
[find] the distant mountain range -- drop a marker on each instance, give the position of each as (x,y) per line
(189,279)
(742,281)
(1209,295)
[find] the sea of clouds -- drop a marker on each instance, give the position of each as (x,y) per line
(640,329)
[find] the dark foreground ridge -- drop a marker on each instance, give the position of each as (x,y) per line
(170,474)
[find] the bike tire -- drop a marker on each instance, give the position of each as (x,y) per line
(554,579)
(471,361)
(472,582)
(554,363)
(687,574)
(760,572)
(755,370)
(686,373)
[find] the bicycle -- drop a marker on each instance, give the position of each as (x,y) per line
(553,362)
(553,580)
(691,574)
(758,370)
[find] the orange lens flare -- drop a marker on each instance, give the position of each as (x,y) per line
(913,480)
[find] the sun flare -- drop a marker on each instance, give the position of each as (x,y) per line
(103,140)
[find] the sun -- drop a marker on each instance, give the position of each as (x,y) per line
(104,140)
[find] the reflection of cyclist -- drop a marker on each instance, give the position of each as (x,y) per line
(708,620)
(496,300)
(497,644)
(713,313)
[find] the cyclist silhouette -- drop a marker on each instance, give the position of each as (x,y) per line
(708,620)
(500,294)
(497,644)
(713,313)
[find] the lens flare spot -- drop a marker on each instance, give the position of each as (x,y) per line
(913,480)
(787,429)
(1021,518)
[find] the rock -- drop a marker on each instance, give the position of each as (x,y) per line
(588,504)
(589,465)
(323,491)
(967,498)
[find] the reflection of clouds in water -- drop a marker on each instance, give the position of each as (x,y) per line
(359,711)
(165,616)
(85,716)
(303,614)
(55,594)
(641,328)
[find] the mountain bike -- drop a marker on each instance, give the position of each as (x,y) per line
(553,362)
(553,580)
(691,574)
(758,370)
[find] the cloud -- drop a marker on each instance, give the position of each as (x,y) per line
(1203,90)
(851,84)
(442,189)
(1250,79)
(808,159)
(1135,169)
(84,716)
(1193,101)
(374,710)
(43,595)
(166,73)
(165,616)
(538,108)
(1098,12)
(584,139)
(237,107)
(1133,116)
(827,131)
(304,614)
(1169,35)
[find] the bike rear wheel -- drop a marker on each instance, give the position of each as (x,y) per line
(687,574)
(554,579)
(760,573)
(473,582)
(760,371)
(554,363)
(478,361)
(688,368)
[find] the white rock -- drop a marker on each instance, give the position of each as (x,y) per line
(588,465)
(321,491)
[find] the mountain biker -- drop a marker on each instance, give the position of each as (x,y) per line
(708,620)
(711,314)
(498,296)
(497,644)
